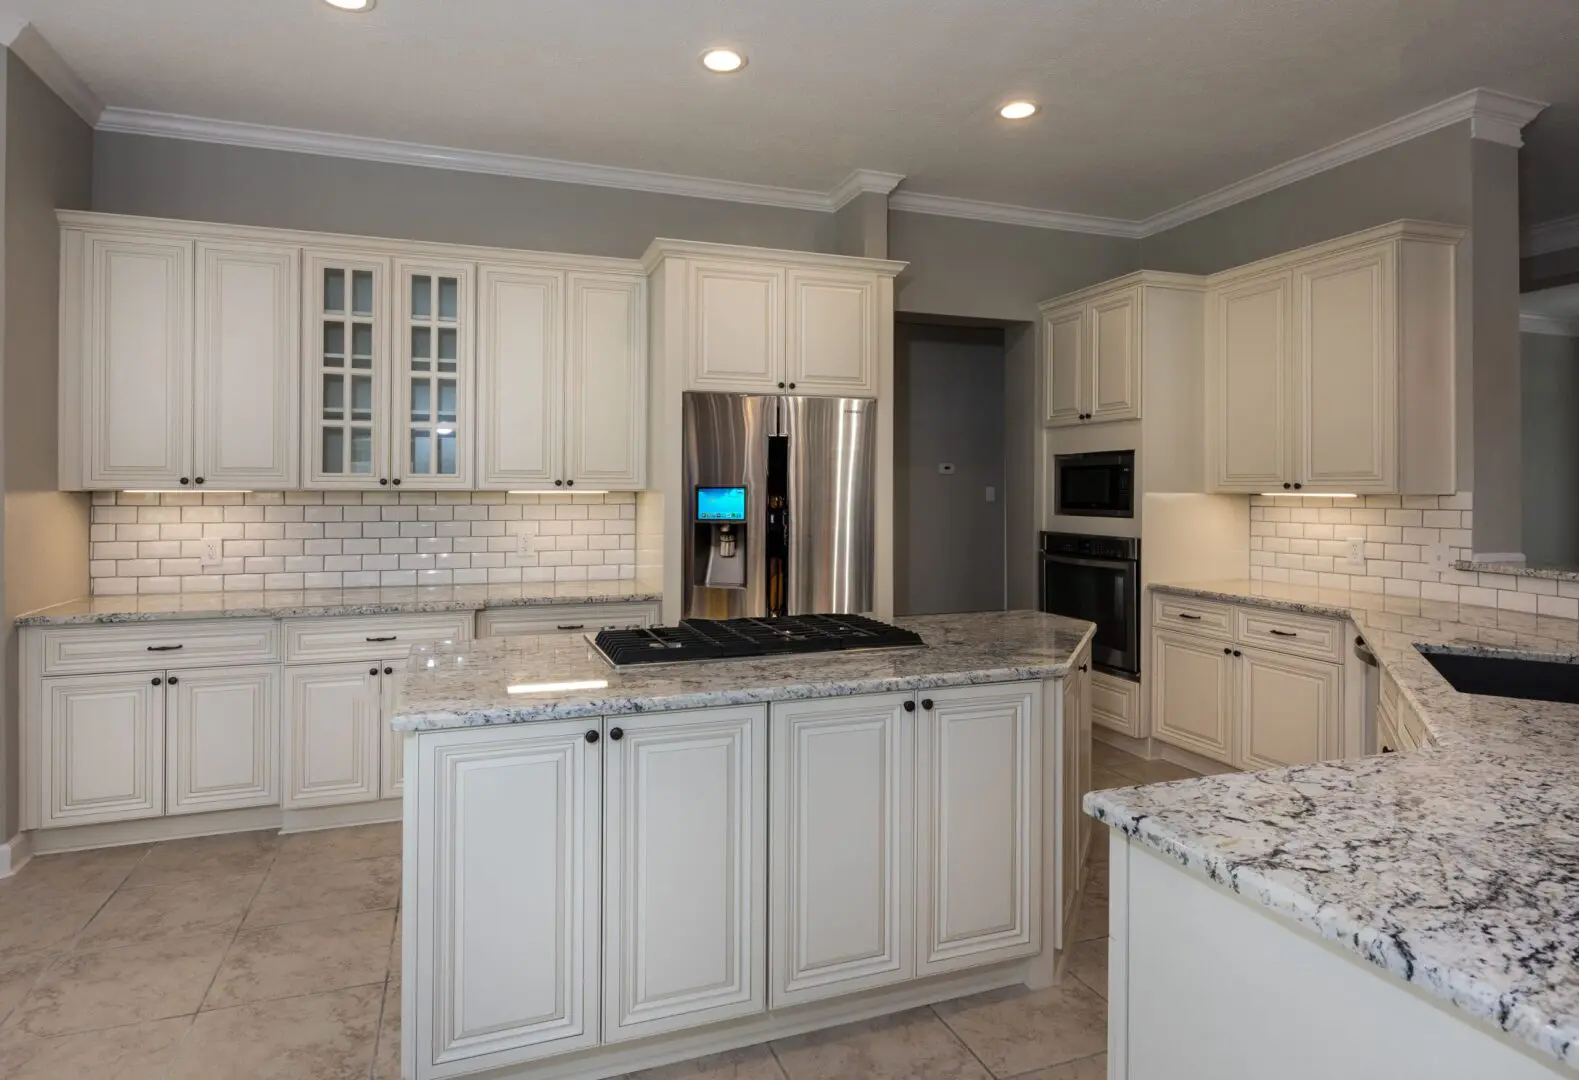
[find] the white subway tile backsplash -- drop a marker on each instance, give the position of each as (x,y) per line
(327,540)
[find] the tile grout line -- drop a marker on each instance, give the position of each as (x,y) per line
(933,1009)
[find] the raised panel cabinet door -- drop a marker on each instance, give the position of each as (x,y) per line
(103,748)
(1063,366)
(520,377)
(1115,356)
(345,370)
(1066,875)
(979,815)
(841,835)
(392,744)
(1346,362)
(247,370)
(1289,710)
(1247,392)
(508,852)
(606,382)
(435,374)
(137,374)
(332,747)
(684,869)
(831,340)
(223,736)
(735,327)
(1191,694)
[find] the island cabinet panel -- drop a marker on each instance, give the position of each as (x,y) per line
(1074,780)
(685,869)
(842,836)
(507,895)
(979,794)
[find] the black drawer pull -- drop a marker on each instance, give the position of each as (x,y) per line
(391,637)
(1192,618)
(1084,667)
(165,648)
(571,626)
(1282,633)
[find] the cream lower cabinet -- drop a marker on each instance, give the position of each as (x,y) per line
(1192,693)
(222,727)
(1289,709)
(338,745)
(1074,780)
(842,841)
(979,816)
(685,869)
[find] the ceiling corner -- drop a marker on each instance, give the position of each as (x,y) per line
(862,182)
(1500,118)
(34,50)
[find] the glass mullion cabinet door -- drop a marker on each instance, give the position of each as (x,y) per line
(434,373)
(346,384)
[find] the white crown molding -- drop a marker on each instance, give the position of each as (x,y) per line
(947,206)
(1493,116)
(1548,324)
(863,182)
(1559,234)
(28,45)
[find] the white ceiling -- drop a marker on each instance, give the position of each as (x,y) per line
(1147,103)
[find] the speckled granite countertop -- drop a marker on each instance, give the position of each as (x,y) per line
(1555,573)
(521,679)
(1455,868)
(291,603)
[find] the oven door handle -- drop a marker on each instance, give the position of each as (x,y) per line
(1101,564)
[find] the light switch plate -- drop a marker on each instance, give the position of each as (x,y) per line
(211,552)
(1438,556)
(1354,556)
(523,543)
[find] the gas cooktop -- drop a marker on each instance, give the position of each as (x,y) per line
(736,639)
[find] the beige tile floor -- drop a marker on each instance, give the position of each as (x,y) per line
(265,957)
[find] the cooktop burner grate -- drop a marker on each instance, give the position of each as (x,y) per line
(733,639)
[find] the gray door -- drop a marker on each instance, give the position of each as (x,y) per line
(831,491)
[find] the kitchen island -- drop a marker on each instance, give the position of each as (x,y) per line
(610,869)
(1401,914)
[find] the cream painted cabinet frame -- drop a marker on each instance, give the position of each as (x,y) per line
(1248,411)
(736,327)
(606,382)
(1091,356)
(1287,711)
(434,381)
(832,333)
(102,748)
(1063,366)
(1192,693)
(332,740)
(222,729)
(346,365)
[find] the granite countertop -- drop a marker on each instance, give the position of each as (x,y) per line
(1518,569)
(292,603)
(1454,867)
(522,679)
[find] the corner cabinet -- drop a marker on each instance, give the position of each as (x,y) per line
(758,321)
(1331,369)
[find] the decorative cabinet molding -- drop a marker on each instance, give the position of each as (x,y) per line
(831,326)
(736,339)
(606,382)
(1064,366)
(1115,356)
(1091,355)
(222,730)
(1074,780)
(434,384)
(520,377)
(1288,710)
(332,741)
(1247,417)
(346,357)
(103,749)
(1192,693)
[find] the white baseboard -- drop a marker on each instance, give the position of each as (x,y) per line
(1119,741)
(15,853)
(1154,749)
(183,826)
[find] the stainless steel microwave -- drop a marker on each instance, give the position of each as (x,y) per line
(1095,485)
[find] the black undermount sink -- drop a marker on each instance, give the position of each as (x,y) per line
(1508,676)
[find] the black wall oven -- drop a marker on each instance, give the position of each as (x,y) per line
(1095,485)
(1097,578)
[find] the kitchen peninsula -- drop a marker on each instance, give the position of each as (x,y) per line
(608,869)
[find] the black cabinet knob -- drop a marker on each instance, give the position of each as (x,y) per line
(158,681)
(592,736)
(1083,667)
(1287,485)
(570,483)
(384,480)
(174,680)
(1387,749)
(559,483)
(910,706)
(372,671)
(199,480)
(792,386)
(184,480)
(396,481)
(1298,487)
(616,733)
(781,386)
(926,703)
(1228,652)
(389,671)
(1238,653)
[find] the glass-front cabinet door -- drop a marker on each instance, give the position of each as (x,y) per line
(433,384)
(346,389)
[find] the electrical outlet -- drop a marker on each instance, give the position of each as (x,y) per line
(1438,556)
(1354,557)
(523,543)
(211,552)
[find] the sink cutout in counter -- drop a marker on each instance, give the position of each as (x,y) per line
(1527,678)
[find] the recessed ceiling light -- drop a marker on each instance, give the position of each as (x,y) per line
(352,5)
(723,61)
(1018,110)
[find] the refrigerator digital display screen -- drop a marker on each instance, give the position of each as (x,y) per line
(720,504)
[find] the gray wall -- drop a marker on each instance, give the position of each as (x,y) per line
(48,164)
(1550,384)
(138,174)
(948,407)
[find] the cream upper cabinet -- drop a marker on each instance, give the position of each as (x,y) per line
(831,344)
(520,376)
(1063,365)
(247,370)
(134,299)
(606,382)
(1192,693)
(1331,369)
(841,872)
(434,382)
(736,327)
(345,399)
(979,769)
(1288,710)
(1091,356)
(685,869)
(1248,408)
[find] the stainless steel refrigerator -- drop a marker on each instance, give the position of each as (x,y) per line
(778,500)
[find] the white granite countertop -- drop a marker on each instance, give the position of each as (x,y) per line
(522,679)
(1512,569)
(1455,867)
(292,603)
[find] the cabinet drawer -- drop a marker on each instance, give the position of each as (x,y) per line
(1115,703)
(310,641)
(89,650)
(1321,639)
(563,618)
(1195,616)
